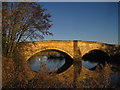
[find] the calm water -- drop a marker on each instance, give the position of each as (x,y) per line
(89,64)
(36,63)
(115,80)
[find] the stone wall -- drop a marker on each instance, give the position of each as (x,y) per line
(28,49)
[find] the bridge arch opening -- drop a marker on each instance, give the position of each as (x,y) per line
(95,59)
(54,60)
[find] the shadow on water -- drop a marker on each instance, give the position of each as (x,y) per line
(95,59)
(115,62)
(115,67)
(98,60)
(52,58)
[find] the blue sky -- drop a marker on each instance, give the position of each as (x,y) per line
(89,21)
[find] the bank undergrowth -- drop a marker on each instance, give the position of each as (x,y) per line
(12,79)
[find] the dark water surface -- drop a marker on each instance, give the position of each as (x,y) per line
(53,63)
(115,80)
(36,63)
(50,63)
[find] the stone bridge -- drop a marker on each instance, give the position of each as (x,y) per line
(74,48)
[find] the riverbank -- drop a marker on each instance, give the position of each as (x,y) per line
(13,78)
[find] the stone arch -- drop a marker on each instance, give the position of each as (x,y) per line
(57,49)
(68,60)
(96,55)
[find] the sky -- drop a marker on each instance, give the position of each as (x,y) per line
(87,21)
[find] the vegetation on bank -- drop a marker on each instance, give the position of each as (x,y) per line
(22,22)
(12,78)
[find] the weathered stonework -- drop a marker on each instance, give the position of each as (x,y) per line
(28,49)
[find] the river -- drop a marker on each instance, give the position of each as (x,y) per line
(52,63)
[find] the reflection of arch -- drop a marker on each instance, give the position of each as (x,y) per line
(98,56)
(68,59)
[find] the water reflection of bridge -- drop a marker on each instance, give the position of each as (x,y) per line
(75,49)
